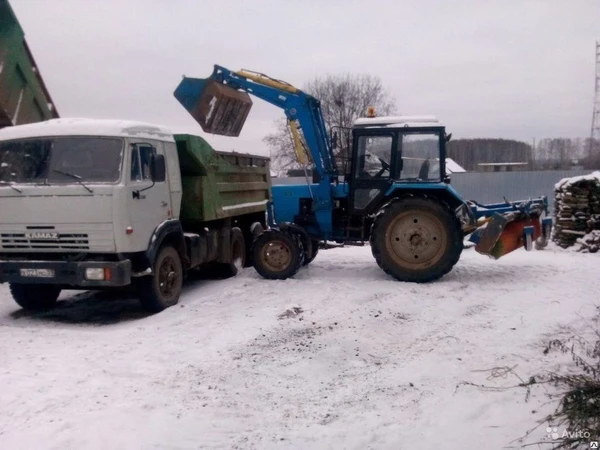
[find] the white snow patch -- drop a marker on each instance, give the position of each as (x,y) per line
(369,362)
(565,182)
(18,108)
(244,205)
(87,127)
(212,104)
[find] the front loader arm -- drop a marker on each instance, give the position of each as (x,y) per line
(299,107)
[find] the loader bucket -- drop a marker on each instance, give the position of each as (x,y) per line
(505,233)
(218,108)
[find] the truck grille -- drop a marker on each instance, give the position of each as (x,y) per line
(65,241)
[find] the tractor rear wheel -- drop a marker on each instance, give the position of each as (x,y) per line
(416,240)
(277,255)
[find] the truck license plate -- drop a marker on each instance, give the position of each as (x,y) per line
(37,273)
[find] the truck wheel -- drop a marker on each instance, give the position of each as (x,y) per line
(238,254)
(163,288)
(416,240)
(315,250)
(35,297)
(277,255)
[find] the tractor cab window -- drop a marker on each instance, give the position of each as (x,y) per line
(374,157)
(420,153)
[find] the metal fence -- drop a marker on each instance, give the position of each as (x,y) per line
(491,187)
(494,186)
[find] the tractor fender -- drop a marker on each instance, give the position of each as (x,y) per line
(297,229)
(169,230)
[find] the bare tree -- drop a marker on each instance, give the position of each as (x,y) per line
(344,98)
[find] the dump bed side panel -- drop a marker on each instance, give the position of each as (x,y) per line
(217,185)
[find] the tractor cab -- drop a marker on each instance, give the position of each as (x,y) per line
(389,150)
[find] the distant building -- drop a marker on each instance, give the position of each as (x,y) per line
(453,167)
(23,94)
(485,154)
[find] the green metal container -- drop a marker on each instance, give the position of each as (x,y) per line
(218,185)
(23,94)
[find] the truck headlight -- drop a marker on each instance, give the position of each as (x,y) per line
(95,273)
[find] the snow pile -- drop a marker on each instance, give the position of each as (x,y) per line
(576,208)
(590,243)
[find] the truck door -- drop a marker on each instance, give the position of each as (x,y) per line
(371,169)
(149,201)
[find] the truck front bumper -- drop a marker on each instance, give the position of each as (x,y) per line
(76,274)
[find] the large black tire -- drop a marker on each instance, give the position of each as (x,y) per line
(163,288)
(277,255)
(238,254)
(416,240)
(315,249)
(35,297)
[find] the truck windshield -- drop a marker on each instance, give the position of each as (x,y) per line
(61,159)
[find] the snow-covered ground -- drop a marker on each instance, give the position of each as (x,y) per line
(369,363)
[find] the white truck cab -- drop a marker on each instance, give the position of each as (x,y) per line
(88,203)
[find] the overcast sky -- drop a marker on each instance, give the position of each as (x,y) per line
(513,69)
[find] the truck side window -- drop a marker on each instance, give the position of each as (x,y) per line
(140,162)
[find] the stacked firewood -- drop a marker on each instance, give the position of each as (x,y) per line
(577,211)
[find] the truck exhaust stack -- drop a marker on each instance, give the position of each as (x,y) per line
(218,108)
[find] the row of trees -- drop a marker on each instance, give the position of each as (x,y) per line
(344,98)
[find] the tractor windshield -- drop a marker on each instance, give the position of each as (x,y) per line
(420,153)
(61,160)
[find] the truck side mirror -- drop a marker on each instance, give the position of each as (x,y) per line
(334,140)
(158,168)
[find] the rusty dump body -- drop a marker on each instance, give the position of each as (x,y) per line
(218,108)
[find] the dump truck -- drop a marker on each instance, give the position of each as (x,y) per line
(93,204)
(395,193)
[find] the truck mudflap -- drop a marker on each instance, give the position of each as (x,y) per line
(76,274)
(506,227)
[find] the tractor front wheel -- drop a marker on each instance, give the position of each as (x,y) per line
(277,255)
(416,240)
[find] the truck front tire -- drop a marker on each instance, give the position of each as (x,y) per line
(163,288)
(35,297)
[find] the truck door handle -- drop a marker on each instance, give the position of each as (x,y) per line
(163,203)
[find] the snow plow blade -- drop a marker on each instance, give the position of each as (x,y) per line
(503,235)
(510,226)
(219,109)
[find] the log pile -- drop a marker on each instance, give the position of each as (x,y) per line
(577,211)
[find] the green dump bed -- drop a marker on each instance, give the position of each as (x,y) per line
(217,185)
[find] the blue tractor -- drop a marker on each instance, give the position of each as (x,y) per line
(394,194)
